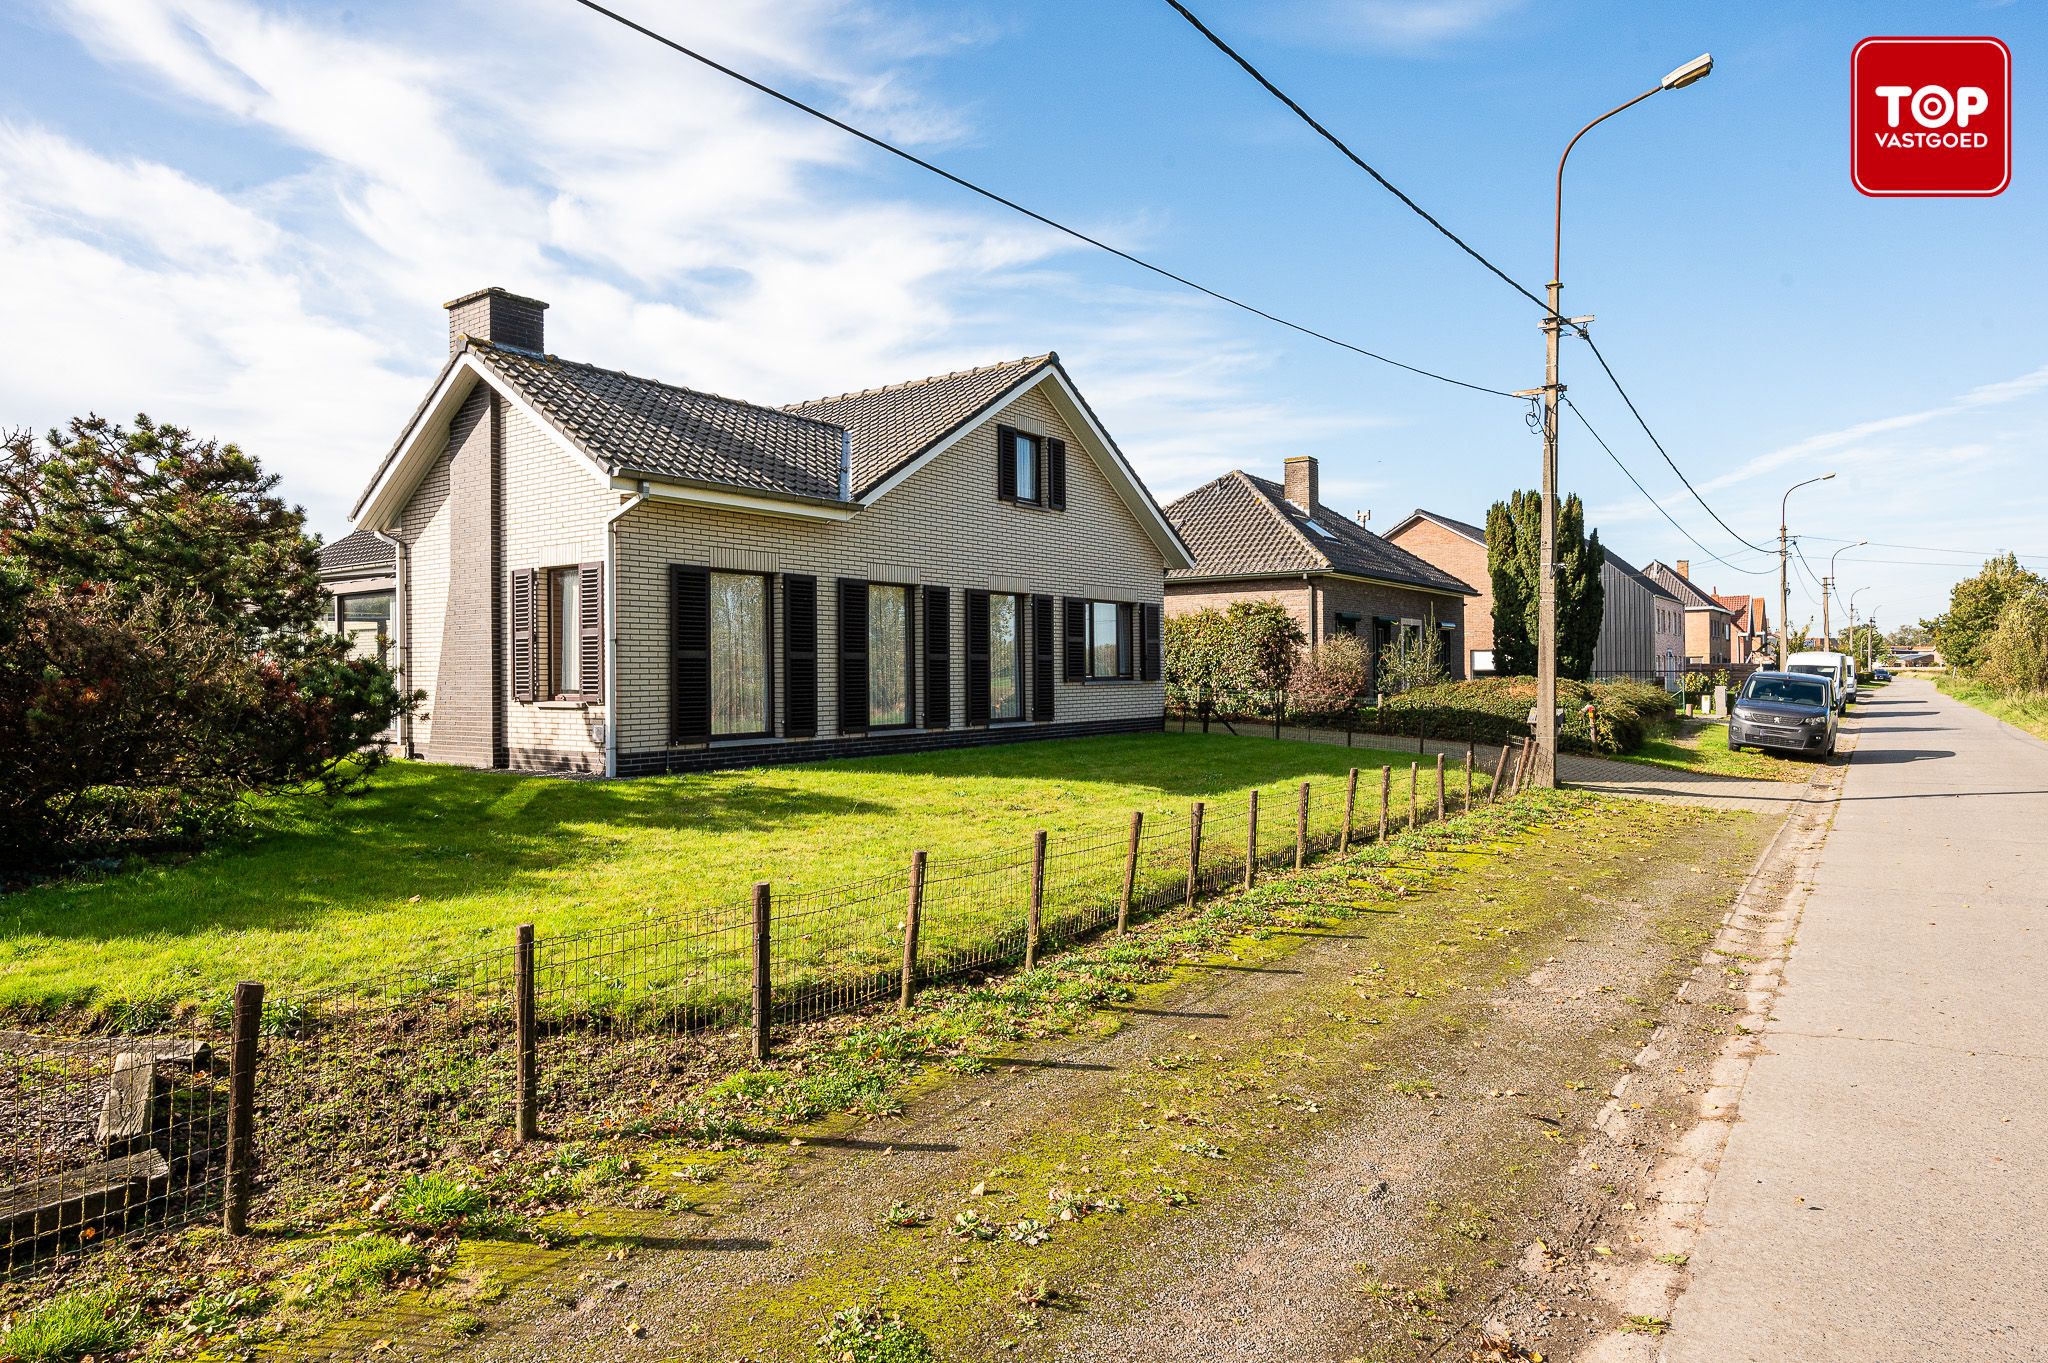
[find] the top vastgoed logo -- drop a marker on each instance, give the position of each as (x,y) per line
(1931,117)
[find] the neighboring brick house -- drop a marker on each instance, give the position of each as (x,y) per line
(601,573)
(1256,540)
(1459,548)
(1709,629)
(1749,629)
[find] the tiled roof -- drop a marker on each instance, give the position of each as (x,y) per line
(1651,584)
(637,425)
(1242,526)
(1465,528)
(358,552)
(891,426)
(1680,586)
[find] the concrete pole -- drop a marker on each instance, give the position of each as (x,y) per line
(1545,768)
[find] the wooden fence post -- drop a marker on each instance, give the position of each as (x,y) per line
(1414,781)
(248,1021)
(1194,850)
(1500,769)
(913,912)
(1386,795)
(526,1079)
(1251,841)
(763,943)
(1031,924)
(1123,907)
(1468,774)
(1350,804)
(1301,829)
(1439,787)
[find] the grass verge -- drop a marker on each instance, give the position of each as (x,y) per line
(2022,711)
(1703,748)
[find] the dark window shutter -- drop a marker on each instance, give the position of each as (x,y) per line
(1041,657)
(977,659)
(1077,639)
(800,656)
(853,656)
(689,666)
(1151,665)
(938,658)
(1006,463)
(910,632)
(1056,473)
(523,685)
(590,629)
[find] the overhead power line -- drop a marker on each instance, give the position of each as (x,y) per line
(1587,337)
(1015,207)
(1930,549)
(1353,157)
(1601,441)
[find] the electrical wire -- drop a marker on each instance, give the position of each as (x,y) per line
(1602,442)
(1011,204)
(1587,337)
(1930,549)
(1353,157)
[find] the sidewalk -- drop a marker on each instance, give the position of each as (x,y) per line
(1884,1189)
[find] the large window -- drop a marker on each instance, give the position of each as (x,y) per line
(739,654)
(1026,450)
(888,656)
(364,619)
(1006,657)
(1109,641)
(565,637)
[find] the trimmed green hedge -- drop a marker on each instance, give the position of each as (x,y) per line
(1495,709)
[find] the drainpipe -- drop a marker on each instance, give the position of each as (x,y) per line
(401,593)
(611,630)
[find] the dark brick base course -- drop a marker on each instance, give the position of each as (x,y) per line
(719,757)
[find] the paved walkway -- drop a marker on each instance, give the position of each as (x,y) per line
(1884,1191)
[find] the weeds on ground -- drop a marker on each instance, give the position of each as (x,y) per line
(865,1334)
(69,1328)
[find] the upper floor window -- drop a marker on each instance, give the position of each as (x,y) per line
(1030,468)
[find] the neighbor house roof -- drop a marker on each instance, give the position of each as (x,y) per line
(889,427)
(1451,523)
(1681,586)
(1622,566)
(1747,610)
(1242,526)
(356,554)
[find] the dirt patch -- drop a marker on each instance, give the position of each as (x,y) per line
(1334,1141)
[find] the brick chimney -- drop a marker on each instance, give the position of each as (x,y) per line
(1303,483)
(497,316)
(1685,569)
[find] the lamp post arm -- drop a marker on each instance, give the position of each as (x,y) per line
(1557,225)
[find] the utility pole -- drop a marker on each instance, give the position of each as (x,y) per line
(1784,593)
(1827,586)
(1543,768)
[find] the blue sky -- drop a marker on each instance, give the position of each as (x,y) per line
(242,217)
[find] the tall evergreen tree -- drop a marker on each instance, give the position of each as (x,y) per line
(1514,541)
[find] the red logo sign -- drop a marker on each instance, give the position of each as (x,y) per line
(1931,117)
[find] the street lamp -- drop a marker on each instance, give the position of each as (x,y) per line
(1827,585)
(1784,601)
(1553,324)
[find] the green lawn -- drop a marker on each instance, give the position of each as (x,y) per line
(2029,712)
(432,862)
(1705,749)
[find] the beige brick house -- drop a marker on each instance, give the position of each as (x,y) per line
(595,572)
(1254,539)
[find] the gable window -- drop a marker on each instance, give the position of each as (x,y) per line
(565,656)
(888,656)
(740,642)
(1005,657)
(1030,468)
(1109,641)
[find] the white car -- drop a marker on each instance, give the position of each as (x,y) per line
(1838,668)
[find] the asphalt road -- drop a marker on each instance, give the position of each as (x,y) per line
(1884,1192)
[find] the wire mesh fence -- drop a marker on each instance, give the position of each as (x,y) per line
(588,1030)
(103,1133)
